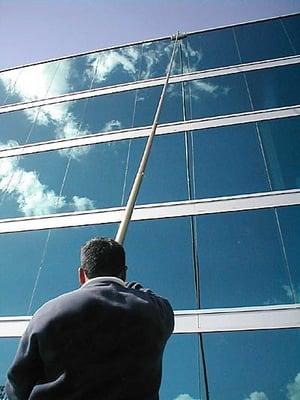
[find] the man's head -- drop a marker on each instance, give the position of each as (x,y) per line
(102,257)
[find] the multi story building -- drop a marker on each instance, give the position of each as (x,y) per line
(216,228)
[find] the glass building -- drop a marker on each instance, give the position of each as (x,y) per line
(216,228)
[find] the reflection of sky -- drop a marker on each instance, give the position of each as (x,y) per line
(240,254)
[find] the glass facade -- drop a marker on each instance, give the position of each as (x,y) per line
(237,173)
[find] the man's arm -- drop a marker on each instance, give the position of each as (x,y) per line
(27,368)
(165,309)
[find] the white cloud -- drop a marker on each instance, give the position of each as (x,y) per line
(205,86)
(82,203)
(104,63)
(114,124)
(40,81)
(71,129)
(257,396)
(184,397)
(294,389)
(32,196)
(289,293)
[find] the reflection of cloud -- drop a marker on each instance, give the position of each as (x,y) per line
(107,61)
(71,129)
(114,124)
(257,396)
(293,391)
(32,196)
(294,388)
(208,87)
(184,397)
(55,78)
(194,57)
(82,203)
(289,293)
(37,82)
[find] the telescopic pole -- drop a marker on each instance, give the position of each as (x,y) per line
(140,173)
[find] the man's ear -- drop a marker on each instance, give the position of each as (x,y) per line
(82,276)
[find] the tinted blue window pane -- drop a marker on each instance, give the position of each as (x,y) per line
(34,82)
(89,116)
(165,175)
(218,152)
(262,41)
(69,119)
(292,26)
(163,260)
(156,58)
(55,257)
(211,49)
(281,143)
(269,361)
(8,349)
(241,260)
(146,104)
(98,69)
(90,177)
(58,258)
(275,87)
(181,373)
(218,96)
(289,218)
(93,70)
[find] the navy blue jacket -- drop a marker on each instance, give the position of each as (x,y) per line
(103,341)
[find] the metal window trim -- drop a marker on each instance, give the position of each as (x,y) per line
(154,211)
(147,83)
(219,27)
(163,129)
(238,319)
(201,321)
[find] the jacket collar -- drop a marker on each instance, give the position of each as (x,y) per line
(101,279)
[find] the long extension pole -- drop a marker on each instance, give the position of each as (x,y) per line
(140,173)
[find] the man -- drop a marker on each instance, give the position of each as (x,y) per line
(104,341)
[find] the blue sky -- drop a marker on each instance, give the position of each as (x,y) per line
(35,30)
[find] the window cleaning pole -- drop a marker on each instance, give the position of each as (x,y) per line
(140,173)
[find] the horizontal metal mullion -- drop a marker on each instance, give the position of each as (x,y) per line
(163,129)
(83,95)
(154,211)
(147,83)
(202,321)
(238,319)
(234,69)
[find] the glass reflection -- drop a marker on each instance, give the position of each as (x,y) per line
(8,348)
(262,41)
(212,49)
(217,96)
(281,143)
(45,262)
(91,177)
(274,87)
(292,26)
(94,70)
(216,152)
(181,372)
(242,259)
(98,114)
(289,218)
(264,365)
